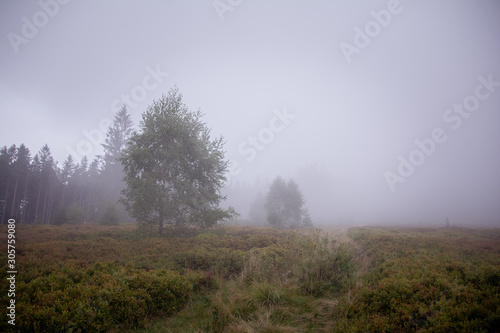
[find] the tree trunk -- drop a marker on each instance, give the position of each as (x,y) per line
(63,194)
(5,202)
(89,197)
(25,205)
(13,209)
(45,206)
(50,203)
(38,200)
(160,224)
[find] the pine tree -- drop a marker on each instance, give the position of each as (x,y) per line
(66,175)
(7,157)
(46,184)
(112,174)
(81,180)
(117,137)
(95,189)
(21,171)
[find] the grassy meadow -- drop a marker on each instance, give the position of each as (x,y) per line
(91,278)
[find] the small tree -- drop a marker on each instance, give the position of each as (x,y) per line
(109,216)
(112,173)
(75,214)
(285,205)
(60,216)
(117,137)
(173,170)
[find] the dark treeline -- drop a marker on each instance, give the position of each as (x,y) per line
(34,189)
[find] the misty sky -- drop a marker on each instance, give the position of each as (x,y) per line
(343,87)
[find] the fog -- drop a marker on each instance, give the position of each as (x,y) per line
(384,112)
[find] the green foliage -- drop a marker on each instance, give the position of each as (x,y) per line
(267,294)
(109,181)
(323,270)
(92,278)
(109,216)
(173,170)
(73,214)
(274,292)
(60,216)
(117,137)
(99,298)
(428,280)
(223,262)
(285,205)
(313,263)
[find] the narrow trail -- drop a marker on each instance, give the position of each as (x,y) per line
(340,236)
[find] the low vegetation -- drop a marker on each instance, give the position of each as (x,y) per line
(91,278)
(427,280)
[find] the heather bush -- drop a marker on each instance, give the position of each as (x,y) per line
(91,278)
(102,297)
(428,280)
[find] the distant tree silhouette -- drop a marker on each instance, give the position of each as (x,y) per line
(112,173)
(285,205)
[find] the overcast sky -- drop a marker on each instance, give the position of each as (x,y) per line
(376,94)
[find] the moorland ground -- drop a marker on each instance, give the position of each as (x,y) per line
(90,278)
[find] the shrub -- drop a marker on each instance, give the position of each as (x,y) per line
(60,216)
(268,294)
(427,279)
(109,216)
(75,214)
(224,262)
(324,269)
(104,296)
